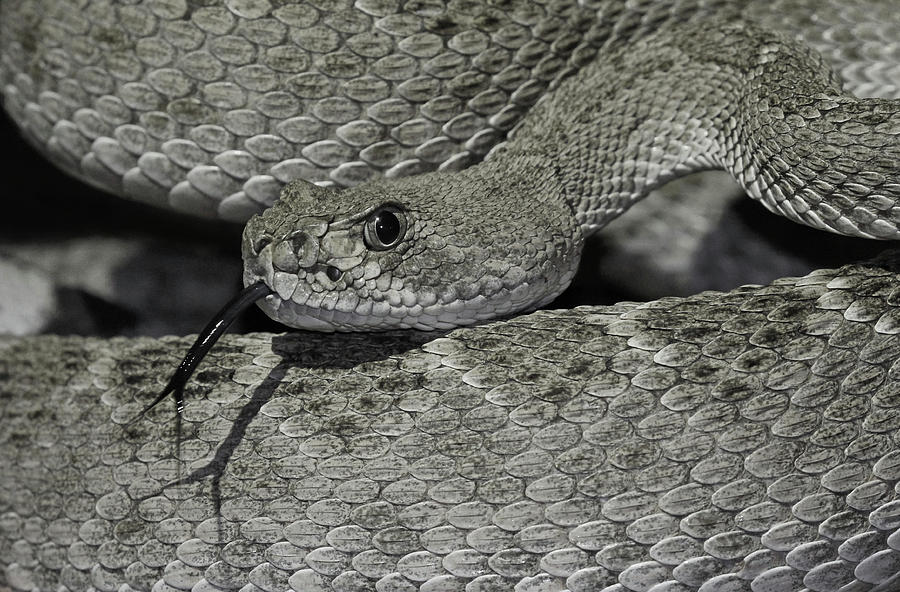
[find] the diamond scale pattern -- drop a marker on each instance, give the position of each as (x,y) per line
(739,441)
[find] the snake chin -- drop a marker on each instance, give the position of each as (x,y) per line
(382,316)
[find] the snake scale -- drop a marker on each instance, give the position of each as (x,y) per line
(741,441)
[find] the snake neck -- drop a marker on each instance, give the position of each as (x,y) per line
(712,94)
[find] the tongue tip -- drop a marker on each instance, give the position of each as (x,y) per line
(204,342)
(170,389)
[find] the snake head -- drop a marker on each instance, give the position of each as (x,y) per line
(429,252)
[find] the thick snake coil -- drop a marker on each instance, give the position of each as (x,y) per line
(722,442)
(725,442)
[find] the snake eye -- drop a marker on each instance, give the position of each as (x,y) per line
(385,228)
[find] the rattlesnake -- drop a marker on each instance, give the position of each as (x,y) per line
(720,442)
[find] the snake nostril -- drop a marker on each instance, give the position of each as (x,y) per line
(260,243)
(333,273)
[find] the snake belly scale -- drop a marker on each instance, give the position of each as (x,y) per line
(724,442)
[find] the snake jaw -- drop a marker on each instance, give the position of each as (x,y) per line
(382,303)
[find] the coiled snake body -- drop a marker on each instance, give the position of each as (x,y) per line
(740,441)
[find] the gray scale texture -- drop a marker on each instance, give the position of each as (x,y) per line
(211,108)
(742,441)
(691,91)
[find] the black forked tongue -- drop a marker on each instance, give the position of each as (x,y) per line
(205,340)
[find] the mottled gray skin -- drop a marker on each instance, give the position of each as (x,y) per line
(744,441)
(210,108)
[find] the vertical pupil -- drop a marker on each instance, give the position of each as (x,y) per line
(387,227)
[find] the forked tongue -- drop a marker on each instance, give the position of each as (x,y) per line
(205,340)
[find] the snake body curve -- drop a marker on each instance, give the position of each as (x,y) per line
(740,441)
(729,442)
(211,108)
